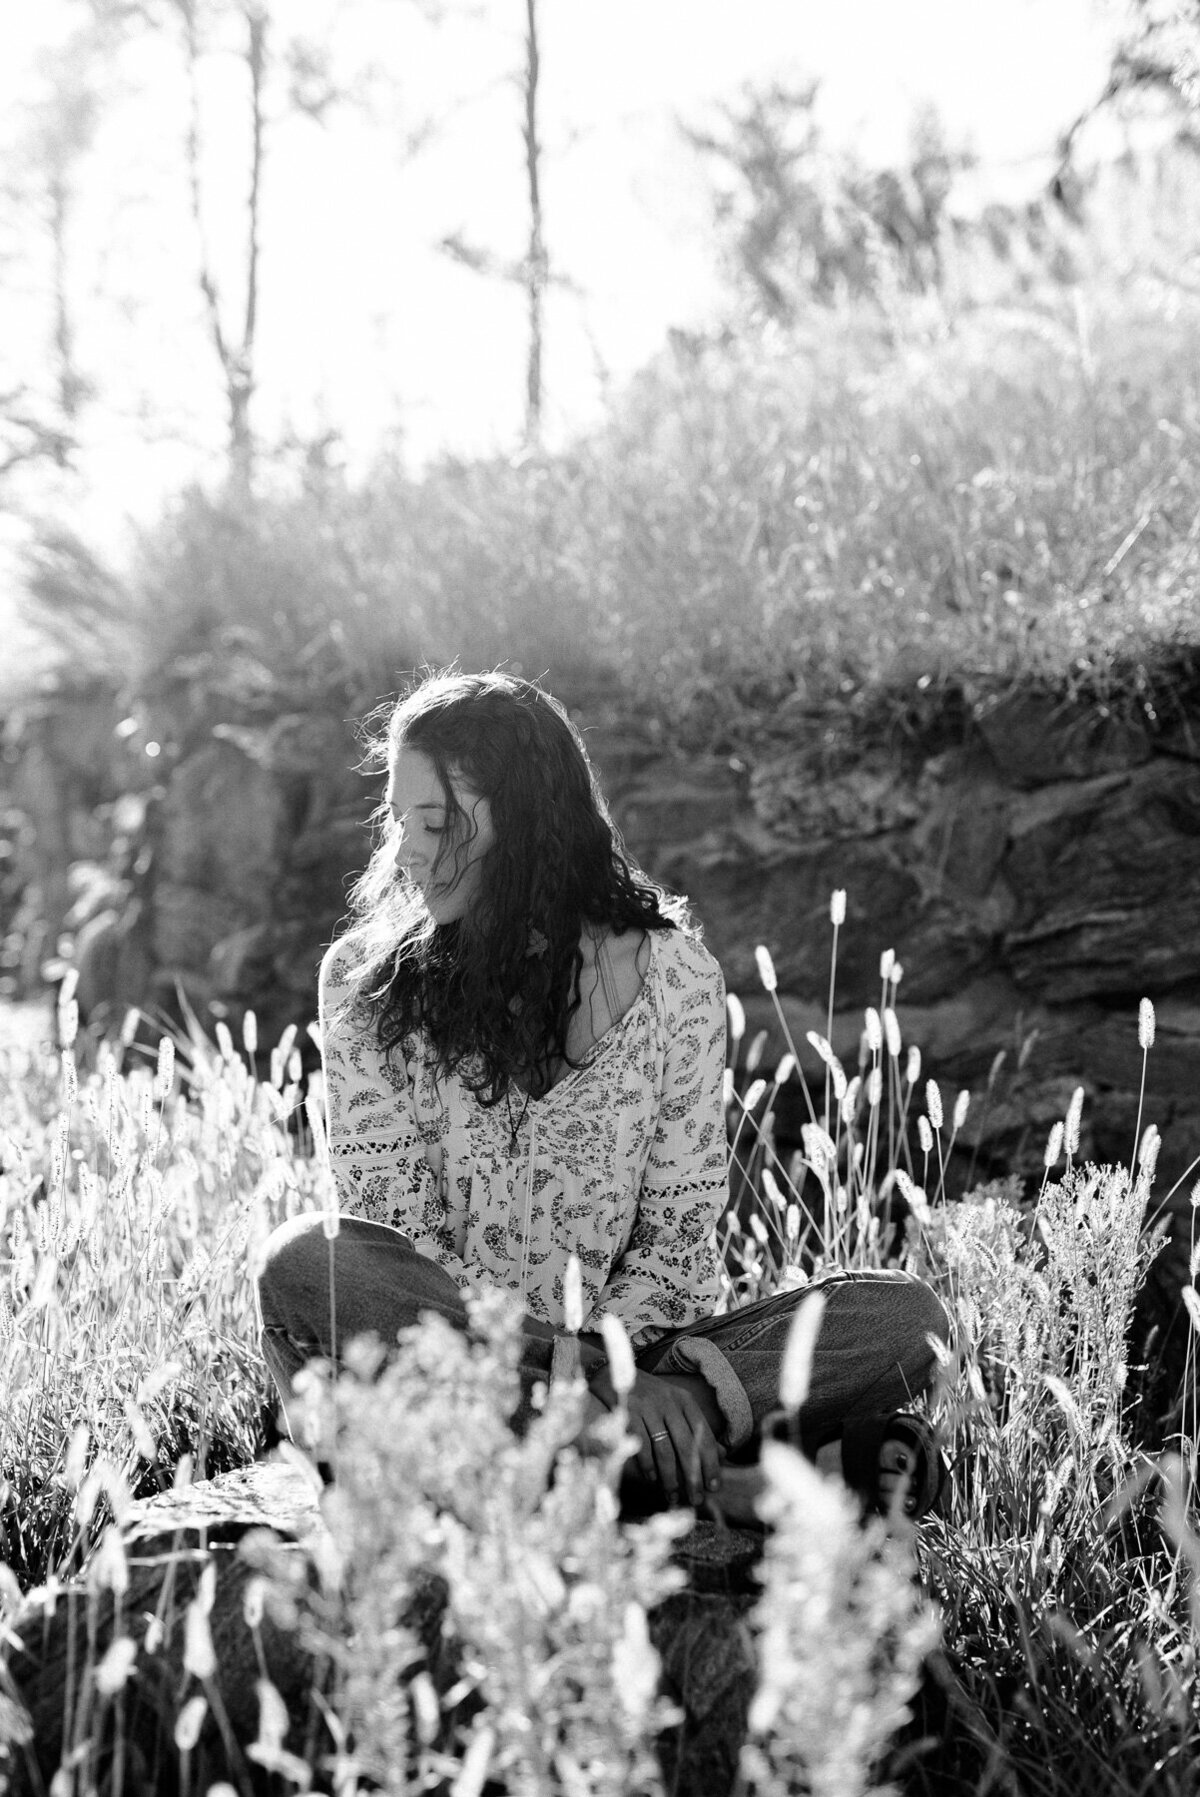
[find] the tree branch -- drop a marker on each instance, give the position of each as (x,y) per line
(256,19)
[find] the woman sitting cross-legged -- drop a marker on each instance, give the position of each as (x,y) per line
(523,1047)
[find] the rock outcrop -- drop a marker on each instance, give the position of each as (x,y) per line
(1035,883)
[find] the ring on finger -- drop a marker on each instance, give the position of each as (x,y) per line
(660,1435)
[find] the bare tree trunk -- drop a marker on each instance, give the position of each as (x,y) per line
(536,261)
(242,389)
(70,386)
(236,359)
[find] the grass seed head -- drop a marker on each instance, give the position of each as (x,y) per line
(766,968)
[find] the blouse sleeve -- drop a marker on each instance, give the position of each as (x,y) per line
(668,1274)
(376,1148)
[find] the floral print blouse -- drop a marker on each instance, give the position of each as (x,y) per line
(622,1163)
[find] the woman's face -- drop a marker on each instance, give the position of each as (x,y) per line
(439,852)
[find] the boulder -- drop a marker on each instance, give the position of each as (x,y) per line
(1106,871)
(1037,737)
(61,1635)
(222,827)
(783,903)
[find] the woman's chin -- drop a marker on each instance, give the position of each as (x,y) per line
(442,908)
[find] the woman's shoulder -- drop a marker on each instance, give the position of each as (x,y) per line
(340,989)
(341,963)
(683,965)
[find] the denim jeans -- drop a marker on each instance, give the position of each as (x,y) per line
(873,1351)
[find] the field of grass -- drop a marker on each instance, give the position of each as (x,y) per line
(1054,1603)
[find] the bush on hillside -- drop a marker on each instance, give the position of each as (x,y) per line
(847,510)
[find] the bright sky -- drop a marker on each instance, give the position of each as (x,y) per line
(365,325)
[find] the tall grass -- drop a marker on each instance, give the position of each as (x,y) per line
(1064,1561)
(1059,1579)
(132,1199)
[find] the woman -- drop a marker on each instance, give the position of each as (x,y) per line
(524,1048)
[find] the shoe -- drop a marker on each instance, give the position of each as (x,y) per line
(924,1478)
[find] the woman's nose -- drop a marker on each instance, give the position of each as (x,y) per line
(408,858)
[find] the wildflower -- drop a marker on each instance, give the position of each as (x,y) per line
(620,1354)
(189,1722)
(1148,1149)
(1192,1305)
(75,1464)
(109,1566)
(573,1295)
(887,961)
(843,1633)
(924,1135)
(766,968)
(250,1032)
(912,1071)
(426,1708)
(837,907)
(874,1030)
(1145,1024)
(165,1070)
(272,1720)
(114,1669)
(933,1103)
(1074,1118)
(199,1655)
(785,1069)
(961,1106)
(1053,1147)
(891,1030)
(68,1023)
(914,1196)
(796,1369)
(771,1189)
(253,1603)
(143,1440)
(735,1012)
(819,1149)
(474,1770)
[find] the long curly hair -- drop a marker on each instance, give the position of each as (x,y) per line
(493,992)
